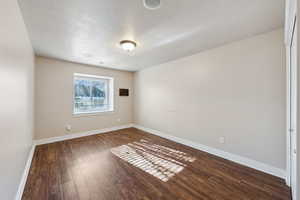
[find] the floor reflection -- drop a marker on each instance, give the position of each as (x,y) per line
(160,161)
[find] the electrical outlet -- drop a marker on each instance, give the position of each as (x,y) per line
(68,127)
(221,140)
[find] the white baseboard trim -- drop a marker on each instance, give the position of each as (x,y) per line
(57,139)
(229,156)
(25,174)
(81,134)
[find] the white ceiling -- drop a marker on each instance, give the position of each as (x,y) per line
(89,31)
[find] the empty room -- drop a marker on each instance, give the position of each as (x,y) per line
(149,100)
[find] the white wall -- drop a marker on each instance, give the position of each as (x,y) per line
(54,99)
(236,91)
(16,98)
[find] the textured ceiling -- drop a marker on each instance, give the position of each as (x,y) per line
(89,31)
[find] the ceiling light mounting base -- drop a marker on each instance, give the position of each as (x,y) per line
(152,4)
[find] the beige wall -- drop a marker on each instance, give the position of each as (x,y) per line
(236,91)
(54,102)
(16,98)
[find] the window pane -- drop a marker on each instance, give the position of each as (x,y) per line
(99,95)
(91,95)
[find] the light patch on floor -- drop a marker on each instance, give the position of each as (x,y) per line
(160,161)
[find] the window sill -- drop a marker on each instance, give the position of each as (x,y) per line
(88,114)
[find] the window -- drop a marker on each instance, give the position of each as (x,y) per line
(92,94)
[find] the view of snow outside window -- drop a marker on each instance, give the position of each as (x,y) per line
(91,95)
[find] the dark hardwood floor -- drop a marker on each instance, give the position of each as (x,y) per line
(134,165)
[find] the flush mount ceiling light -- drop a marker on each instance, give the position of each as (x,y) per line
(128,45)
(152,4)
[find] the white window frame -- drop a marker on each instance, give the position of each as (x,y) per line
(110,93)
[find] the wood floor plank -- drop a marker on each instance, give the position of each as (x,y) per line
(130,164)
